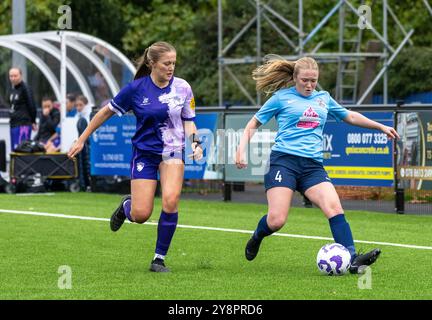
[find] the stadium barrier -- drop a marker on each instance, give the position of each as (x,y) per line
(409,160)
(407,170)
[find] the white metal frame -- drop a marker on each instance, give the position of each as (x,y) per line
(83,36)
(73,69)
(17,43)
(263,10)
(92,57)
(66,39)
(49,75)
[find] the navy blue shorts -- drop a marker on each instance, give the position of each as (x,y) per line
(145,165)
(294,172)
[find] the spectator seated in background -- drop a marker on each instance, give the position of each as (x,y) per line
(48,126)
(53,144)
(83,112)
(83,119)
(71,110)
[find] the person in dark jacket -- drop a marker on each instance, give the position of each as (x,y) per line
(22,109)
(48,123)
(2,103)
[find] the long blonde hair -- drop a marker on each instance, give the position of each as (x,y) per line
(278,73)
(151,53)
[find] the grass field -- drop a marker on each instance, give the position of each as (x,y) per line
(205,264)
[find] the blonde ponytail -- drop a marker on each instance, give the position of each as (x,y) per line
(278,73)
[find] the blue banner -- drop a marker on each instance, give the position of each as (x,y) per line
(111,147)
(357,156)
(206,125)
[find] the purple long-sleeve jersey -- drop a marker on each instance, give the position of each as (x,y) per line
(160,113)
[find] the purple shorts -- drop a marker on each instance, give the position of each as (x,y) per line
(19,134)
(145,165)
(56,142)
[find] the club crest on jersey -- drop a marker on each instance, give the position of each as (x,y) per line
(309,119)
(321,103)
(140,166)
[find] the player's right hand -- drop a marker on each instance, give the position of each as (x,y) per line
(240,159)
(75,149)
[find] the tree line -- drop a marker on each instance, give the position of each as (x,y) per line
(192,27)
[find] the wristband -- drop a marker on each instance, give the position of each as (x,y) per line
(195,139)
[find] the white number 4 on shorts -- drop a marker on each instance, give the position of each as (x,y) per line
(278,176)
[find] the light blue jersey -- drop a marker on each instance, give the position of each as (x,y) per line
(300,120)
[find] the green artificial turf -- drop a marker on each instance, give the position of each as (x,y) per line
(205,264)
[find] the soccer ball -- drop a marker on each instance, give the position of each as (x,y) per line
(333,259)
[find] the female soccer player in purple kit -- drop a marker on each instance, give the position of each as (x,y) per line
(165,111)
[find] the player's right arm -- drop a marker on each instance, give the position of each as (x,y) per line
(248,133)
(100,117)
(264,114)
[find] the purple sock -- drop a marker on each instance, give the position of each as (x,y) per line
(166,228)
(127,209)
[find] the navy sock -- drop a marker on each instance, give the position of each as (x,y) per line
(166,228)
(341,231)
(262,229)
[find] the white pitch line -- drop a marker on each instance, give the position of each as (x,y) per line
(35,194)
(65,216)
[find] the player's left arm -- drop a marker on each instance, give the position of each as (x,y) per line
(191,131)
(357,119)
(191,134)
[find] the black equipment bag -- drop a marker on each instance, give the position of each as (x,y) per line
(52,166)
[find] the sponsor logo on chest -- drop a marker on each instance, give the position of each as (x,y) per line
(172,99)
(309,119)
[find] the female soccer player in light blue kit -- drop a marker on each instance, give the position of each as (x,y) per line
(296,157)
(165,111)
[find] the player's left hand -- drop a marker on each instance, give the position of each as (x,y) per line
(390,132)
(197,152)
